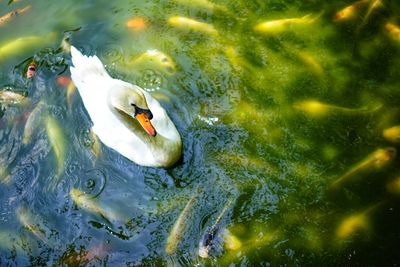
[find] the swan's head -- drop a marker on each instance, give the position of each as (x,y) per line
(132,102)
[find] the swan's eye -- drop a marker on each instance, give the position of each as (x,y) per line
(133,105)
(149,114)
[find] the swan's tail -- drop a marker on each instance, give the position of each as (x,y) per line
(85,68)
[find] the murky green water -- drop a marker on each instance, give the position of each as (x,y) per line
(275,123)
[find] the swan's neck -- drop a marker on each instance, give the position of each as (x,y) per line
(160,146)
(157,144)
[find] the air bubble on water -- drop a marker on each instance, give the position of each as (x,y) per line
(209,120)
(113,53)
(73,167)
(150,80)
(86,138)
(57,111)
(92,181)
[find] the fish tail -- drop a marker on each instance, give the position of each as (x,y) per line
(306,17)
(309,18)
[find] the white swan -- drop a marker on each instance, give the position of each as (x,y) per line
(125,117)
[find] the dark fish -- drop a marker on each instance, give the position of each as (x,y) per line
(211,237)
(209,240)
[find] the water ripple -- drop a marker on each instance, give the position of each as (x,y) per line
(151,80)
(112,53)
(92,181)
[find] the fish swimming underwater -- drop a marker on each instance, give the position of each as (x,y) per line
(212,235)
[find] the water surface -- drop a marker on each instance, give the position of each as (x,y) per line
(234,97)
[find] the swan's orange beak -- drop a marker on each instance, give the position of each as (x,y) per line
(146,124)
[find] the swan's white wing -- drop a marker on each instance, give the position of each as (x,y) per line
(92,81)
(86,65)
(85,70)
(94,85)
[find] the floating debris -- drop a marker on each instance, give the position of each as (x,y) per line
(318,109)
(137,24)
(191,24)
(375,161)
(177,230)
(275,26)
(7,17)
(33,121)
(349,12)
(57,140)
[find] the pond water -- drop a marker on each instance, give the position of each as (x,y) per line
(289,149)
